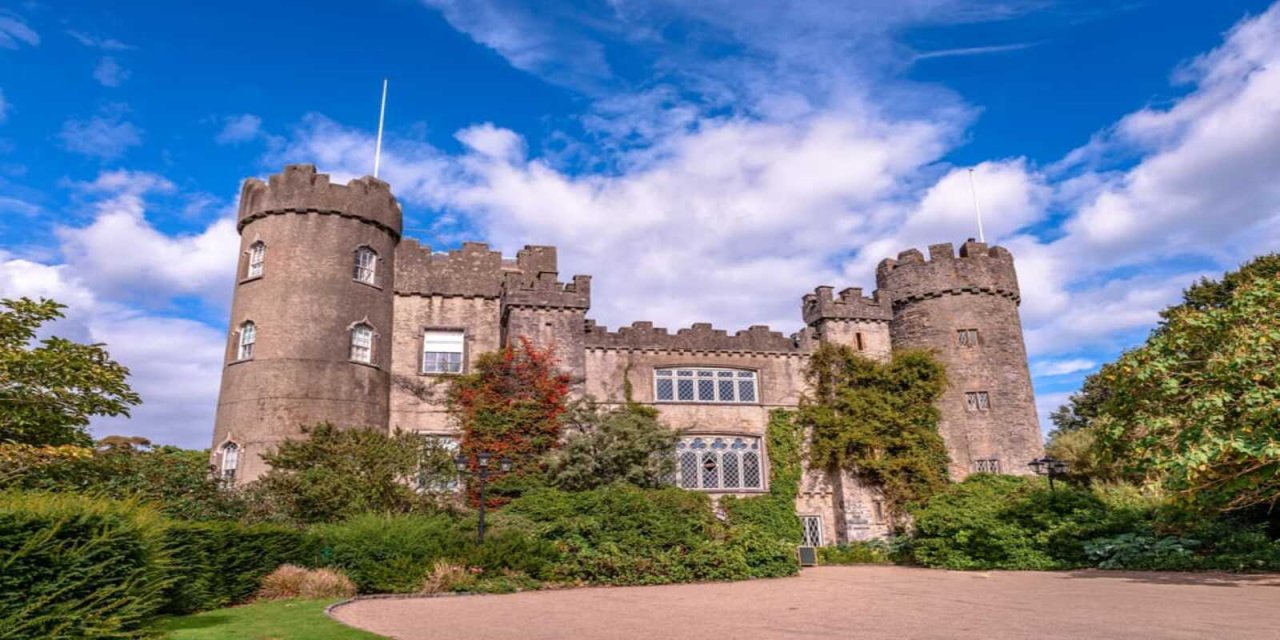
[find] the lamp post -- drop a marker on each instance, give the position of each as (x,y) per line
(1048,466)
(481,474)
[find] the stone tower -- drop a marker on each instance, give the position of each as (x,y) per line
(965,309)
(313,288)
(851,319)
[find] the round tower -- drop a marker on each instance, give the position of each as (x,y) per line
(310,330)
(965,309)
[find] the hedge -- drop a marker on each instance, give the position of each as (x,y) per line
(221,563)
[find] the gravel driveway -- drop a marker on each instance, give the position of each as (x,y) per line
(855,603)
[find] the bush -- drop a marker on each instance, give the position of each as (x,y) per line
(291,581)
(217,564)
(858,552)
(774,515)
(73,566)
(630,518)
(387,554)
(622,445)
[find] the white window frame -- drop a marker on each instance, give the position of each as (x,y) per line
(704,447)
(257,260)
(967,338)
(719,379)
(362,341)
(247,337)
(229,453)
(451,343)
(812,531)
(977,401)
(365,267)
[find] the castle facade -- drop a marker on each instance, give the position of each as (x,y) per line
(337,318)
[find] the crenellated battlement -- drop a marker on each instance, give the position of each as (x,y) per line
(700,337)
(978,269)
(534,282)
(471,271)
(851,304)
(300,189)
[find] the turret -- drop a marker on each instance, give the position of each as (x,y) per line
(851,319)
(540,308)
(965,309)
(310,329)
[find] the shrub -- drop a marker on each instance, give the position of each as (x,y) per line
(774,515)
(291,581)
(626,444)
(222,563)
(388,553)
(73,566)
(857,552)
(631,518)
(447,576)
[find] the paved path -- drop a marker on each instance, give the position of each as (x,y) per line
(857,603)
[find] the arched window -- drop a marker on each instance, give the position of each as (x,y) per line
(248,336)
(362,343)
(719,463)
(257,256)
(366,265)
(230,460)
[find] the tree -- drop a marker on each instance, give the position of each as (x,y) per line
(511,406)
(605,446)
(877,420)
(49,392)
(1197,407)
(333,474)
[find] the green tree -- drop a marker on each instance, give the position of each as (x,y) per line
(1197,407)
(878,420)
(604,446)
(49,390)
(333,474)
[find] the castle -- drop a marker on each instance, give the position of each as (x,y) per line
(334,312)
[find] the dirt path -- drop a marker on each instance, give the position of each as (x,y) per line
(863,603)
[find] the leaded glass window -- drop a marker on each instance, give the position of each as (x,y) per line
(698,384)
(248,337)
(257,258)
(362,343)
(967,337)
(812,531)
(977,401)
(230,461)
(366,266)
(990,465)
(715,463)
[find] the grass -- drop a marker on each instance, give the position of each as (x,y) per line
(268,620)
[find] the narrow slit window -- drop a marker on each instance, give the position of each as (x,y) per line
(442,351)
(857,337)
(248,337)
(366,266)
(362,343)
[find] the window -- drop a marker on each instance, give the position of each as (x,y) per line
(248,336)
(714,463)
(362,343)
(366,265)
(857,338)
(812,531)
(442,351)
(704,385)
(977,400)
(990,465)
(230,461)
(436,471)
(967,337)
(257,256)
(878,507)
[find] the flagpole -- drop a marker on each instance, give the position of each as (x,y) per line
(382,112)
(978,210)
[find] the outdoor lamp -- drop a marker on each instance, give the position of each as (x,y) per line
(1048,466)
(482,459)
(504,463)
(461,463)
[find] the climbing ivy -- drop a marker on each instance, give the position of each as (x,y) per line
(775,513)
(878,421)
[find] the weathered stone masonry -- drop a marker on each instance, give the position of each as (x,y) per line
(306,302)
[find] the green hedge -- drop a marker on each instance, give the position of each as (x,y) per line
(221,563)
(76,567)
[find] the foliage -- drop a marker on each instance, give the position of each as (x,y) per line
(275,619)
(387,553)
(605,446)
(222,563)
(73,566)
(878,420)
(1214,545)
(290,581)
(175,481)
(857,552)
(1197,407)
(1082,406)
(333,474)
(1086,463)
(48,392)
(774,515)
(510,406)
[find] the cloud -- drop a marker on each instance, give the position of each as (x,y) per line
(5,106)
(109,72)
(238,129)
(19,207)
(95,42)
(1061,367)
(107,136)
(14,32)
(972,51)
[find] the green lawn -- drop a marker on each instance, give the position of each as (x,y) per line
(274,620)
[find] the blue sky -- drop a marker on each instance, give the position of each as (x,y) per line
(705,161)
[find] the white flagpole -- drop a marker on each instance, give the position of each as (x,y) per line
(382,112)
(978,210)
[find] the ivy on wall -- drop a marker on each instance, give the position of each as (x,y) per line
(775,513)
(878,421)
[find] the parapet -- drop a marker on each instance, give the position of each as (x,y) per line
(978,269)
(850,305)
(474,270)
(700,337)
(300,189)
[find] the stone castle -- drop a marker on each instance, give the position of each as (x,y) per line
(336,317)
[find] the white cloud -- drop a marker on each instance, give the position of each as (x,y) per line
(110,73)
(1061,367)
(96,42)
(4,107)
(238,129)
(14,32)
(105,136)
(17,206)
